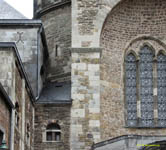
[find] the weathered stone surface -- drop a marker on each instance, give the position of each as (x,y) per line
(49,113)
(21,98)
(118,36)
(27,43)
(5,117)
(57,24)
(85,118)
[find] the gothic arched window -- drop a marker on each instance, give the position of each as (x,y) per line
(53,132)
(146,86)
(161,89)
(130,91)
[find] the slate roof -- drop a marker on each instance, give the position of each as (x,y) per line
(8,12)
(56,93)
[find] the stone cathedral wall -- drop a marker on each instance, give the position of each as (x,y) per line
(57,24)
(110,25)
(126,22)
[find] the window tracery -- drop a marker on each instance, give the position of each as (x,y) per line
(130,63)
(142,78)
(161,89)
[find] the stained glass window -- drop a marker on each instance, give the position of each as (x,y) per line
(130,90)
(146,86)
(161,89)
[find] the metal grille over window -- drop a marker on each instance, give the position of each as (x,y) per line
(146,86)
(130,92)
(161,89)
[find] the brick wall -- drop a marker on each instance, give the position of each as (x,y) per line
(127,21)
(25,114)
(18,94)
(52,113)
(29,123)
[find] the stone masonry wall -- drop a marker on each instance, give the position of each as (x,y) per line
(57,24)
(7,71)
(14,84)
(85,113)
(88,17)
(5,120)
(52,113)
(29,123)
(23,135)
(18,117)
(127,21)
(26,42)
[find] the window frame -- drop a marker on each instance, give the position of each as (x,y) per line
(156,51)
(56,129)
(53,134)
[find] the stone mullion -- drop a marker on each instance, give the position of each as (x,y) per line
(138,94)
(155,92)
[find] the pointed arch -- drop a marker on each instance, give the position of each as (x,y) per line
(130,89)
(146,85)
(161,87)
(133,53)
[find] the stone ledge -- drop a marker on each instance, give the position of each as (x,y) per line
(86,50)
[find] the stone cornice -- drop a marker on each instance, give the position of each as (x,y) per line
(86,50)
(50,8)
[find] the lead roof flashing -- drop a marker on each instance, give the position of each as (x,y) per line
(20,67)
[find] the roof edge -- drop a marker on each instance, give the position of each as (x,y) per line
(21,67)
(20,22)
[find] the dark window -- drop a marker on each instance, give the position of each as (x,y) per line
(53,132)
(1,137)
(56,50)
(17,118)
